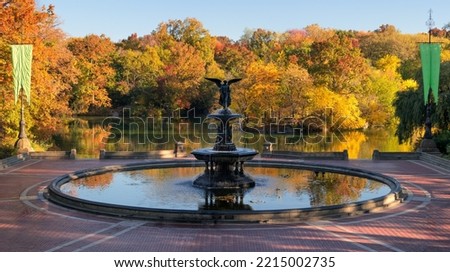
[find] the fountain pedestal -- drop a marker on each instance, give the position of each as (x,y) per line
(224,163)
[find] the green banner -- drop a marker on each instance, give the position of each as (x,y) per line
(22,55)
(430,54)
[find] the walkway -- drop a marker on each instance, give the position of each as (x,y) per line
(30,223)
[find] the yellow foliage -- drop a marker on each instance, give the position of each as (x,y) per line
(388,64)
(409,84)
(445,55)
(257,90)
(340,108)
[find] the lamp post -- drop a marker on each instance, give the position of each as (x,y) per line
(21,59)
(23,144)
(430,57)
(428,134)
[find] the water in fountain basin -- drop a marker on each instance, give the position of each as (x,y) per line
(275,189)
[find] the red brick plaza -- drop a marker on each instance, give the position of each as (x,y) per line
(29,223)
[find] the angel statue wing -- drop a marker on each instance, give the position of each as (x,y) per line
(215,80)
(233,80)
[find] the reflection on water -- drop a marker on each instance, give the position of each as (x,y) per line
(88,136)
(225,200)
(275,189)
(330,188)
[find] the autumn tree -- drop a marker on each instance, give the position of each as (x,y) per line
(376,100)
(184,70)
(133,42)
(387,40)
(164,71)
(93,56)
(360,78)
(334,111)
(319,34)
(233,57)
(296,45)
(291,96)
(257,90)
(137,73)
(52,69)
(138,69)
(190,31)
(264,44)
(187,51)
(337,64)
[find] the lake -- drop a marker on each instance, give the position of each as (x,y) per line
(89,135)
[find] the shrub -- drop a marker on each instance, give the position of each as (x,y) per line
(442,140)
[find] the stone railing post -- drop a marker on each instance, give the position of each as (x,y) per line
(267,147)
(345,154)
(73,154)
(179,149)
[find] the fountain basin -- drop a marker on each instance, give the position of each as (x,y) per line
(208,213)
(230,157)
(224,116)
(224,169)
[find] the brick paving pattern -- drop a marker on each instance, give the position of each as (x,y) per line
(29,223)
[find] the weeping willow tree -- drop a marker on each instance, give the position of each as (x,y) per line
(442,138)
(410,110)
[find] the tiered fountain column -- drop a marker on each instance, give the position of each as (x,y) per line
(224,163)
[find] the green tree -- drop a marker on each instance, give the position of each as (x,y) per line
(137,73)
(137,69)
(410,109)
(376,101)
(443,108)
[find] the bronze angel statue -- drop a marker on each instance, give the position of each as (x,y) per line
(225,91)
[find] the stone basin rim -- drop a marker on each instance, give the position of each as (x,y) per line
(394,197)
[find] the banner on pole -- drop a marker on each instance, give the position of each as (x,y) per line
(22,56)
(430,54)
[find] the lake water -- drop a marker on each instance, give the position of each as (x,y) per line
(89,135)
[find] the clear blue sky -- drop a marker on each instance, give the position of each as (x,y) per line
(118,19)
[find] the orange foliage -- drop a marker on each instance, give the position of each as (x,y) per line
(299,73)
(52,72)
(93,55)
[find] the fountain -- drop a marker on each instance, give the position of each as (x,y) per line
(224,162)
(223,192)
